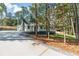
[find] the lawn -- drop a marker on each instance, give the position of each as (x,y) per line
(61,37)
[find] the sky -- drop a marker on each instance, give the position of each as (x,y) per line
(14,7)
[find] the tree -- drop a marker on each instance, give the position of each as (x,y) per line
(62,11)
(36,20)
(9,15)
(2,9)
(76,21)
(23,14)
(47,22)
(18,17)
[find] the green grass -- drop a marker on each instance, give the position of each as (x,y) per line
(59,36)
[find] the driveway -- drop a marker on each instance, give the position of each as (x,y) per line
(26,47)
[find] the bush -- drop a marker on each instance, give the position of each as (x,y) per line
(9,22)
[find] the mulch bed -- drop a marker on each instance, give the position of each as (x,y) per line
(72,47)
(7,27)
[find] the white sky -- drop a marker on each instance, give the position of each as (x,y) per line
(12,8)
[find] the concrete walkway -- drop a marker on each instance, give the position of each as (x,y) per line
(26,47)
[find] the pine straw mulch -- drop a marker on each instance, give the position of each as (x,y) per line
(72,47)
(7,27)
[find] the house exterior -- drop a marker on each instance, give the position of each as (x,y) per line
(29,27)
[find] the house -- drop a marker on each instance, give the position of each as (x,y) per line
(27,26)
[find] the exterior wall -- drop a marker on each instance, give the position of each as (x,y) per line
(40,29)
(30,27)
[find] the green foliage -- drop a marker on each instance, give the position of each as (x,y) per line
(60,36)
(64,14)
(2,7)
(9,22)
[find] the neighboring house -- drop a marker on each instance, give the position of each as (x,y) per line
(30,27)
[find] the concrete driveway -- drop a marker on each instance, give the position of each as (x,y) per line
(27,47)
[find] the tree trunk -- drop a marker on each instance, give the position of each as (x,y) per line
(23,26)
(64,28)
(71,19)
(47,22)
(64,35)
(1,19)
(76,22)
(72,24)
(36,20)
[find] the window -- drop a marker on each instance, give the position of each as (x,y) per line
(28,27)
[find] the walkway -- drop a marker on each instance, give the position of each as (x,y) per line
(26,47)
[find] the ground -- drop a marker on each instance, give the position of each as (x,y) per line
(26,46)
(8,27)
(70,46)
